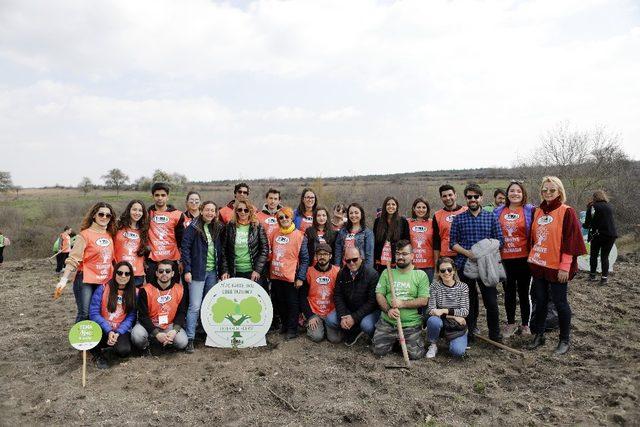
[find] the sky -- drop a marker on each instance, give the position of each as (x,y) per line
(259,89)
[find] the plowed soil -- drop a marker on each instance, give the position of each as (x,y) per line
(302,383)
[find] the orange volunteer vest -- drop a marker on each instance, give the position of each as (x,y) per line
(421,234)
(65,243)
(127,242)
(97,260)
(117,317)
(444,219)
(321,285)
(286,250)
(162,235)
(225,214)
(163,305)
(515,234)
(546,232)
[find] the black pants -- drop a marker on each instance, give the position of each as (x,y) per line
(60,259)
(122,347)
(490,301)
(601,245)
(518,282)
(558,292)
(288,301)
(1,255)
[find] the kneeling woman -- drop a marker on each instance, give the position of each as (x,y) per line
(449,302)
(288,270)
(113,307)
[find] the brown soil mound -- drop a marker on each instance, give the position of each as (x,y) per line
(302,383)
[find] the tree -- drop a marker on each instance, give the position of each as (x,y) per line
(85,185)
(236,313)
(175,180)
(142,184)
(115,178)
(6,183)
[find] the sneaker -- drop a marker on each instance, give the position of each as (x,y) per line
(100,361)
(509,329)
(146,352)
(432,351)
(563,347)
(592,277)
(476,330)
(538,341)
(350,340)
(190,348)
(524,330)
(291,335)
(604,280)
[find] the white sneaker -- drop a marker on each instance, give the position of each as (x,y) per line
(509,330)
(432,351)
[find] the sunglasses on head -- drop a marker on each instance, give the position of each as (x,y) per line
(103,215)
(123,273)
(446,270)
(242,210)
(351,260)
(164,270)
(473,196)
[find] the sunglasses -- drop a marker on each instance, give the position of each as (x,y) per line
(473,196)
(351,260)
(242,192)
(549,190)
(123,273)
(281,217)
(242,210)
(446,270)
(164,270)
(103,215)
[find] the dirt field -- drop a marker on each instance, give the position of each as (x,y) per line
(597,383)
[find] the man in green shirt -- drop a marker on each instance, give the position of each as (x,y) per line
(412,292)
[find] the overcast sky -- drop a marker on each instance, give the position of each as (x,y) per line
(249,89)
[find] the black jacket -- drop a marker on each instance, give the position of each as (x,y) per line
(312,240)
(258,248)
(601,222)
(356,297)
(402,232)
(178,321)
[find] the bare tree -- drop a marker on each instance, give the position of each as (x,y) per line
(85,185)
(115,178)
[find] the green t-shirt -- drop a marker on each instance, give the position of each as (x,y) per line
(411,285)
(1,241)
(243,258)
(211,250)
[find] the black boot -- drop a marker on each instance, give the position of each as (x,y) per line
(190,348)
(563,347)
(538,341)
(100,360)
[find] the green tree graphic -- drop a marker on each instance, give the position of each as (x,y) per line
(236,313)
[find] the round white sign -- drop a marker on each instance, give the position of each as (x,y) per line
(236,313)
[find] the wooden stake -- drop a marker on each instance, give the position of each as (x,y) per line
(403,343)
(84,368)
(502,346)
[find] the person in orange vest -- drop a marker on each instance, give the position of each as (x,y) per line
(162,311)
(388,229)
(421,236)
(304,213)
(65,248)
(166,227)
(556,244)
(317,296)
(267,216)
(192,203)
(94,251)
(288,270)
(240,194)
(113,307)
(442,221)
(132,238)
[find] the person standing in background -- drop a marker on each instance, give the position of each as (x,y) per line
(65,248)
(602,234)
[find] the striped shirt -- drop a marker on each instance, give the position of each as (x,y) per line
(455,297)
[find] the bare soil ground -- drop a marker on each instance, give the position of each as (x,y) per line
(597,383)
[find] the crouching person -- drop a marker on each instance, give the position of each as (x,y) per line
(411,288)
(447,309)
(113,307)
(162,310)
(317,299)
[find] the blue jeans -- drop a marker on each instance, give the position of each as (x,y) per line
(457,347)
(367,324)
(83,293)
(197,291)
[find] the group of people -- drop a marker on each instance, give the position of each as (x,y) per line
(143,276)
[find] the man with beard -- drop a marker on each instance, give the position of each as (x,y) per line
(469,228)
(442,220)
(317,299)
(240,194)
(411,288)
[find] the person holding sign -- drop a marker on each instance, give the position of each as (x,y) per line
(162,312)
(317,299)
(288,270)
(132,238)
(113,307)
(421,236)
(411,288)
(94,251)
(515,218)
(388,229)
(556,243)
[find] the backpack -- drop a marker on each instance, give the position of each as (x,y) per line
(56,245)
